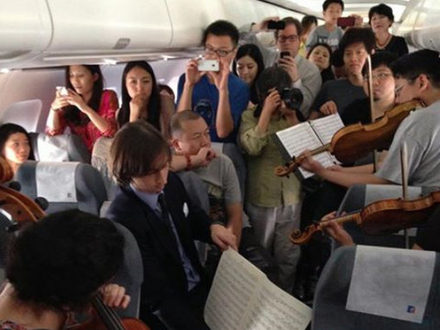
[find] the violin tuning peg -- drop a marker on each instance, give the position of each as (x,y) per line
(15,185)
(42,202)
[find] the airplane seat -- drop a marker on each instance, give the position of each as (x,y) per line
(100,155)
(333,294)
(360,195)
(131,274)
(64,185)
(59,148)
(233,152)
(23,113)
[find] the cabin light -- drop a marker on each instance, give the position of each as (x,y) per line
(4,70)
(108,61)
(165,58)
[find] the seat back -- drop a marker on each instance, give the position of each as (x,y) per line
(233,152)
(100,157)
(59,148)
(131,274)
(65,185)
(23,113)
(332,292)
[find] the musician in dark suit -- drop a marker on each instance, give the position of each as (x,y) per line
(152,203)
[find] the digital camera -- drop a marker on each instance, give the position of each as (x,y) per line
(292,97)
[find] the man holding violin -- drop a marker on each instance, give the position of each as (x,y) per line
(426,239)
(383,91)
(417,76)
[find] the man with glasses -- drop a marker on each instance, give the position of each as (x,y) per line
(336,95)
(218,96)
(417,76)
(383,91)
(305,75)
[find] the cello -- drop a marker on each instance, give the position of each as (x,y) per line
(105,318)
(20,209)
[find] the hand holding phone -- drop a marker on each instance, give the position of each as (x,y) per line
(346,21)
(208,65)
(62,91)
(276,25)
(284,54)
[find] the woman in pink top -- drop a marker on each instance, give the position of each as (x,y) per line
(85,107)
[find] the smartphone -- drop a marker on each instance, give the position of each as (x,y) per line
(62,90)
(208,65)
(346,21)
(283,54)
(276,25)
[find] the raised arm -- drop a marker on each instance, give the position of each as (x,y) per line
(192,77)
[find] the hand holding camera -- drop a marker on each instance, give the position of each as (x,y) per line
(269,23)
(292,99)
(271,102)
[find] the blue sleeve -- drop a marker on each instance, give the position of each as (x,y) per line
(180,87)
(239,103)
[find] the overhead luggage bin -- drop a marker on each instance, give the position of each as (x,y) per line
(25,30)
(87,27)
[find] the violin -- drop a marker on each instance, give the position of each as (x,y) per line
(381,217)
(355,141)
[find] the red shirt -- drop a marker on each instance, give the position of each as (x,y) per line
(89,132)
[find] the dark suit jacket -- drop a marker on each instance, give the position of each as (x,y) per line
(165,285)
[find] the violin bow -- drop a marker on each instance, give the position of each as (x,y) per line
(371,97)
(404,173)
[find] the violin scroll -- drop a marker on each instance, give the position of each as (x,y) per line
(299,238)
(286,170)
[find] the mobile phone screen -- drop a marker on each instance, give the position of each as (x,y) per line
(346,21)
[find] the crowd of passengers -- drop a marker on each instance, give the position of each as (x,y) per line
(220,130)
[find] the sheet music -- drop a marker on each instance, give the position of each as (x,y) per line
(300,137)
(242,298)
(276,309)
(401,285)
(234,285)
(327,126)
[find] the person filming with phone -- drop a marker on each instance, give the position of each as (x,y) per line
(304,74)
(208,86)
(330,32)
(83,106)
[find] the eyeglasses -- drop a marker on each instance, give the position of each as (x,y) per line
(380,76)
(397,90)
(291,38)
(219,52)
